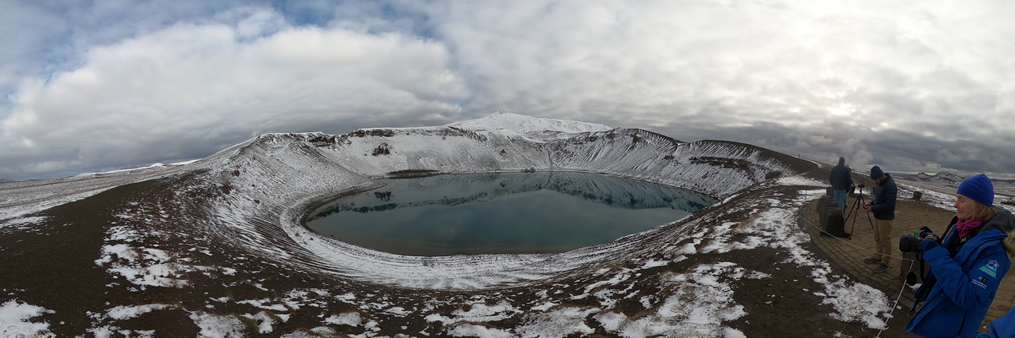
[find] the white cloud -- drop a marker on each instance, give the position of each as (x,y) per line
(150,82)
(159,95)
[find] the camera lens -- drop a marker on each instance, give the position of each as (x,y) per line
(908,243)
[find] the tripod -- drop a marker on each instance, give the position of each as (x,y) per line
(856,207)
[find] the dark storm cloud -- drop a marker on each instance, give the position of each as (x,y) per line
(894,150)
(969,156)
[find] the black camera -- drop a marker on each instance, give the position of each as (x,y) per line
(910,243)
(861,186)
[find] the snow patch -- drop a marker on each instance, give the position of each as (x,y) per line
(264,304)
(611,321)
(349,318)
(800,180)
(484,313)
(265,322)
(139,265)
(471,330)
(558,323)
(217,326)
(15,316)
(125,312)
(858,302)
(24,222)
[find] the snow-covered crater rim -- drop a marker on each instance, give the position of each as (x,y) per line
(316,167)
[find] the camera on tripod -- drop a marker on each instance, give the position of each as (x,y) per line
(861,186)
(910,243)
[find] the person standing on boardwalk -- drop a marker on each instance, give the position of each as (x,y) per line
(966,267)
(883,208)
(840,179)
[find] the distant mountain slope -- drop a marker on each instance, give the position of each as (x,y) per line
(948,177)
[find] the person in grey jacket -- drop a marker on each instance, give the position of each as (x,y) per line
(883,208)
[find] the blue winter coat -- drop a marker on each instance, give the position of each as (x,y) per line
(1003,327)
(963,287)
(883,205)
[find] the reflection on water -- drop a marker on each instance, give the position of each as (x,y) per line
(501,213)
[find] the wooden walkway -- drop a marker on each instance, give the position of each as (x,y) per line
(848,254)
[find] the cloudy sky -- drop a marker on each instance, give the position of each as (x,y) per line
(105,84)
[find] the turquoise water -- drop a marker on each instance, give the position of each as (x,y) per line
(501,213)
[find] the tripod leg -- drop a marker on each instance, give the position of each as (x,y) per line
(856,208)
(851,209)
(869,220)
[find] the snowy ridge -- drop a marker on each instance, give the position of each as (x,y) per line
(711,167)
(530,126)
(266,186)
(26,197)
(943,177)
(380,152)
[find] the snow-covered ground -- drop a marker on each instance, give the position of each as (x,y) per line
(256,195)
(15,319)
(21,198)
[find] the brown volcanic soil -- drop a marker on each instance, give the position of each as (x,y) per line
(53,265)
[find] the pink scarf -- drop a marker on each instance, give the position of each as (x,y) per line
(965,227)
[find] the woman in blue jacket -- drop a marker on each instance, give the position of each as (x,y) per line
(967,266)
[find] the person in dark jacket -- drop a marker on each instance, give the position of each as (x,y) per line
(840,179)
(966,267)
(883,208)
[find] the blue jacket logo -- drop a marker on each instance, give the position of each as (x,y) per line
(992,264)
(990,269)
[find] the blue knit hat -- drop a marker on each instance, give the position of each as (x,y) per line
(978,188)
(876,173)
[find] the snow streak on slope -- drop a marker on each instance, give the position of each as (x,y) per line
(21,198)
(530,126)
(270,183)
(711,167)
